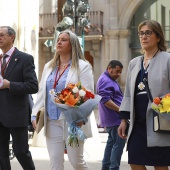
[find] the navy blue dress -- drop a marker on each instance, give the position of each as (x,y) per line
(138,152)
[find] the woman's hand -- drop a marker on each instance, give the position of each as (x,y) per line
(6,84)
(34,124)
(80,123)
(121,129)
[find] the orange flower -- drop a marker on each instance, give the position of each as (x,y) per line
(73,95)
(71,100)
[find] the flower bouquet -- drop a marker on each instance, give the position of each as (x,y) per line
(161,105)
(76,103)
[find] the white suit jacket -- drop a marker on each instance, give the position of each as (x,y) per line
(85,76)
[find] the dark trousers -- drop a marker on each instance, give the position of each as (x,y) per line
(20,147)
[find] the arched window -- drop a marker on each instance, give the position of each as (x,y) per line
(158,10)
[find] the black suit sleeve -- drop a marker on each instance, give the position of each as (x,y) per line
(24,80)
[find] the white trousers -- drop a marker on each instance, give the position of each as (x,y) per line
(56,138)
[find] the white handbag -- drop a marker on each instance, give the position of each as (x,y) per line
(160,123)
(40,120)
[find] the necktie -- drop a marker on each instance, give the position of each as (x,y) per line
(3,66)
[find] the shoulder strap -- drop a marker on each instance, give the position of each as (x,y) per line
(145,81)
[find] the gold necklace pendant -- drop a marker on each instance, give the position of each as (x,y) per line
(141,86)
(64,66)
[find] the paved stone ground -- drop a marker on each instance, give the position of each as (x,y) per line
(93,158)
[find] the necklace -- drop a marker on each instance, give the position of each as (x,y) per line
(146,58)
(141,85)
(64,66)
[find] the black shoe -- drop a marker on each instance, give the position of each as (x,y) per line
(105,168)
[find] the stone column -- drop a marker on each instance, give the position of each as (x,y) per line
(96,46)
(124,53)
(106,54)
(95,51)
(112,48)
(113,14)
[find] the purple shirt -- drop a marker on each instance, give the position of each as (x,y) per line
(108,89)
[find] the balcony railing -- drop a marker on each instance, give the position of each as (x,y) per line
(96,22)
(48,22)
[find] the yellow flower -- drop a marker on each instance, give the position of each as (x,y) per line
(154,106)
(165,104)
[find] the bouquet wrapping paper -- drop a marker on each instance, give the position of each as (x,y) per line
(76,113)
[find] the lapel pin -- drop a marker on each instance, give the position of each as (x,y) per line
(15,59)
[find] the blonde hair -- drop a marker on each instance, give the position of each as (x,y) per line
(157,29)
(76,52)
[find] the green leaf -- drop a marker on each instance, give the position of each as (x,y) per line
(79,85)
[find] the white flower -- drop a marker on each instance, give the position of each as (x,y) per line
(82,93)
(75,90)
(52,92)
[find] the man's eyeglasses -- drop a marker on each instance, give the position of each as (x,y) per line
(3,35)
(147,33)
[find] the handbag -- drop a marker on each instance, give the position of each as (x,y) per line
(40,120)
(160,124)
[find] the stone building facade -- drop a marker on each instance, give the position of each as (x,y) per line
(23,16)
(113,33)
(117,39)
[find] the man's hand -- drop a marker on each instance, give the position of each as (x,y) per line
(6,84)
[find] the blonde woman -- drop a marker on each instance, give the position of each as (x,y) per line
(67,66)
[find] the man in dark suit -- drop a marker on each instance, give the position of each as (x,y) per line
(19,80)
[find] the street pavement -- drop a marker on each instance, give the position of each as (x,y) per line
(93,155)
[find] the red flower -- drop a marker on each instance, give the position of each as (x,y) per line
(74,95)
(89,95)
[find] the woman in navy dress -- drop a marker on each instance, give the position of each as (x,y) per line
(146,147)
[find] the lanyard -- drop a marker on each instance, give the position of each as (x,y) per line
(57,79)
(141,85)
(143,71)
(3,70)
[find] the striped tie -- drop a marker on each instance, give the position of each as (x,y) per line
(3,66)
